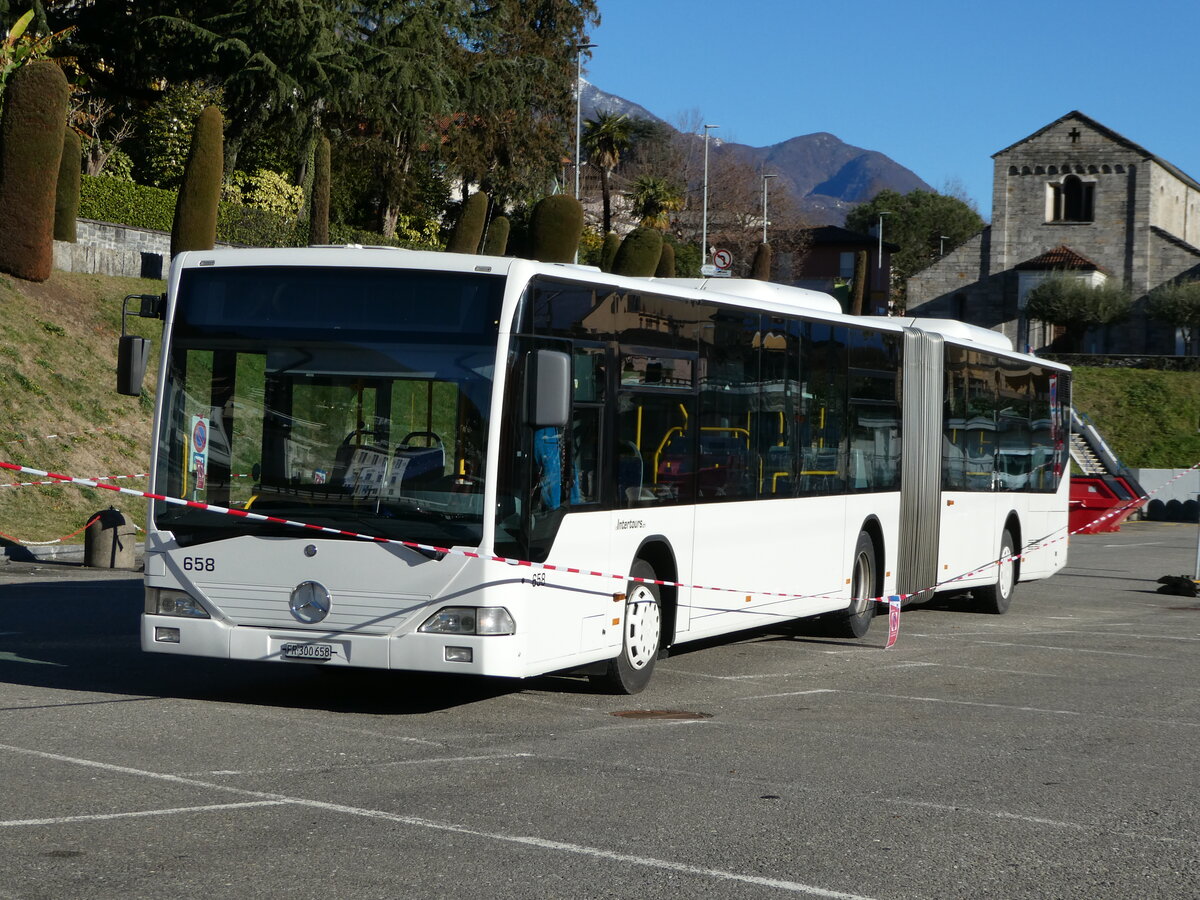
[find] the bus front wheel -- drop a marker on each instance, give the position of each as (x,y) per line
(855,621)
(630,671)
(996,598)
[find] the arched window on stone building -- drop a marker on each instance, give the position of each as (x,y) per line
(1072,200)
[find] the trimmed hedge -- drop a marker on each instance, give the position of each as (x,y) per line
(138,206)
(125,203)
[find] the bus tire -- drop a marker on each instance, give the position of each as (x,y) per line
(996,598)
(641,626)
(856,619)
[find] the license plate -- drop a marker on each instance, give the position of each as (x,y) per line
(318,652)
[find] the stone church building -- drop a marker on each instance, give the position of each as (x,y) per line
(1077,198)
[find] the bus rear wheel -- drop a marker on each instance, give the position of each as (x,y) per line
(996,598)
(855,621)
(630,671)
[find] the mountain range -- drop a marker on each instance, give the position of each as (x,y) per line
(826,176)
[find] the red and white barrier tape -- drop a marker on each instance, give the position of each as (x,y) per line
(65,537)
(17,484)
(893,601)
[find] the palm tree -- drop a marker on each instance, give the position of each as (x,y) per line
(605,138)
(653,199)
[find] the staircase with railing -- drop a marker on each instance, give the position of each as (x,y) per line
(1104,485)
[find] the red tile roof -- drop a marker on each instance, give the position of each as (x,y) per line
(1061,257)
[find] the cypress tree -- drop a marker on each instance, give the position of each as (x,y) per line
(318,219)
(555,226)
(608,252)
(860,282)
(66,200)
(468,230)
(762,263)
(639,253)
(666,262)
(496,242)
(195,224)
(31,148)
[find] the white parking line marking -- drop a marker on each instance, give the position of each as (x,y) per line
(910,665)
(105,817)
(432,761)
(1074,650)
(794,887)
(982,705)
(1033,820)
(792,694)
(1126,634)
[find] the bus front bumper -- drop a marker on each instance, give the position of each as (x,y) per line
(497,655)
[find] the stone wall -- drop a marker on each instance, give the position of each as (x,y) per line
(103,248)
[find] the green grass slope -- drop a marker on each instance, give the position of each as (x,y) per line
(1150,419)
(59,409)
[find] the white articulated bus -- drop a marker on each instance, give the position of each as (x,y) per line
(726,434)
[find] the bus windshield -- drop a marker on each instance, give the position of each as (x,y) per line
(350,398)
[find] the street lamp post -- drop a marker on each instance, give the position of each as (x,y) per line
(880,262)
(942,244)
(579,48)
(704,215)
(764,181)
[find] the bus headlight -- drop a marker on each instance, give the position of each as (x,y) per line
(163,602)
(470,620)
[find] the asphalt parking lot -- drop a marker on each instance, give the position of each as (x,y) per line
(1051,752)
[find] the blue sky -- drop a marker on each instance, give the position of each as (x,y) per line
(938,86)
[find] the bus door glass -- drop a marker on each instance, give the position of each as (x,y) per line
(1014,435)
(874,410)
(655,427)
(823,382)
(775,425)
(730,452)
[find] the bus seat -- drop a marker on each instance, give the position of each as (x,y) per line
(629,473)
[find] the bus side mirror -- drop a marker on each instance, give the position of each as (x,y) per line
(134,351)
(548,379)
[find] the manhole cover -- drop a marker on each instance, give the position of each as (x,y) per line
(660,714)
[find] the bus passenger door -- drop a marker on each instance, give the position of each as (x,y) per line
(969,533)
(654,462)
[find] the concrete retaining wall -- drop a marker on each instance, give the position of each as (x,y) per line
(1177,501)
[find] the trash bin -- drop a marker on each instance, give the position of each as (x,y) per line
(109,541)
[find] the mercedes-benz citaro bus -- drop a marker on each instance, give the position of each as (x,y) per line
(511,468)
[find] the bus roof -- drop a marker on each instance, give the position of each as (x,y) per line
(754,289)
(765,294)
(961,332)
